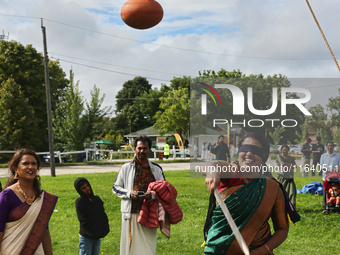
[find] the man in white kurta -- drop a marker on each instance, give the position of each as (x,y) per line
(131,185)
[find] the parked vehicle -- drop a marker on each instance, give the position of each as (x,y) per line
(294,149)
(81,157)
(274,149)
(64,158)
(271,148)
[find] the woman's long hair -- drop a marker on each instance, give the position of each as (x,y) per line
(13,165)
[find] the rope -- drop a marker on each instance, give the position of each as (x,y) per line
(324,37)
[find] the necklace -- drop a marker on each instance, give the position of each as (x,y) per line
(29,200)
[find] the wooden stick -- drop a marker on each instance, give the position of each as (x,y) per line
(232,224)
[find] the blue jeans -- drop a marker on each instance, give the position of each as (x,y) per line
(89,246)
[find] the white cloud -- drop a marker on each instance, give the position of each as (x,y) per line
(261,29)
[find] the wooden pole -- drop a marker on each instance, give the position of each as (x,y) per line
(48,103)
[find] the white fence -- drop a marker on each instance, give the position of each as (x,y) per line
(175,152)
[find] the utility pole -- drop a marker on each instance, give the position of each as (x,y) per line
(3,36)
(48,103)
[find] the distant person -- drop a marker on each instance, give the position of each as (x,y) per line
(209,147)
(306,151)
(221,149)
(317,150)
(93,220)
(97,152)
(166,150)
(131,186)
(330,162)
(204,151)
(287,166)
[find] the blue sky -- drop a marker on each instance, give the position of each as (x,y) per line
(253,36)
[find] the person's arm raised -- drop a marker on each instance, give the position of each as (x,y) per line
(214,171)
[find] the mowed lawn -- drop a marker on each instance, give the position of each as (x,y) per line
(314,234)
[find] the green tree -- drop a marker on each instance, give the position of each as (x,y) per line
(336,136)
(302,135)
(131,119)
(131,89)
(95,115)
(197,120)
(334,106)
(116,139)
(18,126)
(318,117)
(221,74)
(68,123)
(176,113)
(276,135)
(180,82)
(26,67)
(128,114)
(148,103)
(324,135)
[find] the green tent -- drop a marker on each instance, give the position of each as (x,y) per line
(103,142)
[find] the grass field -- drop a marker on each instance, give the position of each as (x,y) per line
(314,234)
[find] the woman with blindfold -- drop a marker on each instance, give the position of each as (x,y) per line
(252,197)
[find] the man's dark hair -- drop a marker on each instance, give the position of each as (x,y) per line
(308,140)
(143,139)
(221,136)
(318,138)
(329,142)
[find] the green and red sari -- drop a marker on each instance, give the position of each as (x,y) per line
(251,205)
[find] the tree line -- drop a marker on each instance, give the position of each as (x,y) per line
(23,117)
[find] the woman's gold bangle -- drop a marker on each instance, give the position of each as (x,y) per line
(267,248)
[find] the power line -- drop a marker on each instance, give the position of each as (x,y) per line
(165,46)
(112,71)
(112,64)
(177,48)
(107,70)
(19,16)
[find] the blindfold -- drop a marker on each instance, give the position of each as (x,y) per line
(255,150)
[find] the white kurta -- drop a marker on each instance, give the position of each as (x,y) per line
(136,239)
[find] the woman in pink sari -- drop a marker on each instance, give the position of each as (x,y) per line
(25,209)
